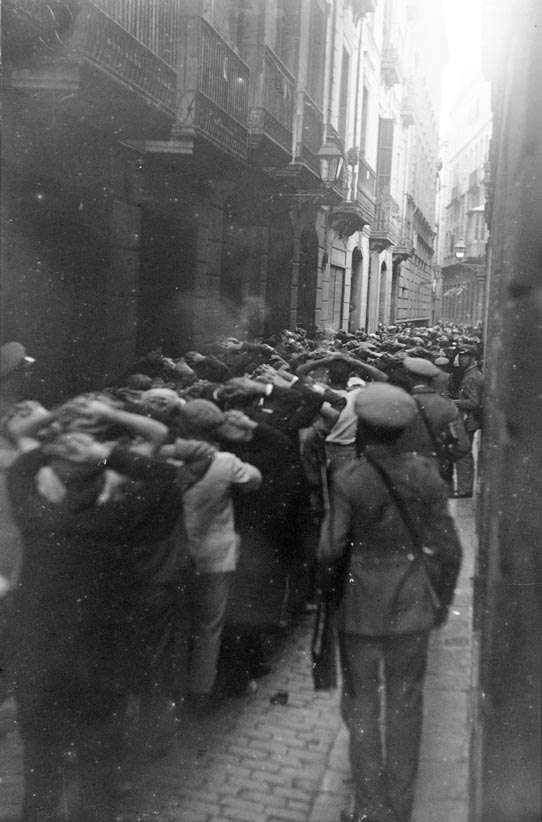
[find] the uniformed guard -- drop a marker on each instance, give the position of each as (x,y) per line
(438,429)
(470,402)
(389,526)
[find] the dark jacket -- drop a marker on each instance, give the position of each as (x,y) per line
(443,437)
(70,625)
(386,590)
(471,398)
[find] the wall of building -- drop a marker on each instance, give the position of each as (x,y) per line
(507,772)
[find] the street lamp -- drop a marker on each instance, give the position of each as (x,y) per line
(331,163)
(459,249)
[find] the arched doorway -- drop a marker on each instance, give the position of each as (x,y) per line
(355,290)
(395,284)
(308,270)
(382,293)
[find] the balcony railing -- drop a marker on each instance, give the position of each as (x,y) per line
(366,179)
(273,112)
(213,88)
(112,48)
(386,230)
(153,22)
(128,41)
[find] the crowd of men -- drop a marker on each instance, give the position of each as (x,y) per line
(158,532)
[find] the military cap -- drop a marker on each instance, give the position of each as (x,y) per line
(381,405)
(420,367)
(468,349)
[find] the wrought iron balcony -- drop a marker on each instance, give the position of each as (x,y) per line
(103,44)
(390,66)
(386,228)
(213,86)
(365,195)
(272,112)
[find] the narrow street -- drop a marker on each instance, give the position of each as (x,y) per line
(259,760)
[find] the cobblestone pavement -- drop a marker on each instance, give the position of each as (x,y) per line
(257,760)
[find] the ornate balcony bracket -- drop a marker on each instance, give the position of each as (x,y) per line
(400,253)
(379,244)
(347,218)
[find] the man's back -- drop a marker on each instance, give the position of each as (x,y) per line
(365,515)
(208,513)
(440,413)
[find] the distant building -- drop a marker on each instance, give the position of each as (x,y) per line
(463,227)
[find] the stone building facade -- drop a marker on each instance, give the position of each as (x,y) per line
(464,231)
(175,170)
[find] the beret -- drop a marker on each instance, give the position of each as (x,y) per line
(201,416)
(381,405)
(421,367)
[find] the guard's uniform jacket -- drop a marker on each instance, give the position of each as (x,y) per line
(471,397)
(386,591)
(446,425)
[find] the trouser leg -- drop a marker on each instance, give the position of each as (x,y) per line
(211,593)
(465,471)
(405,658)
(100,750)
(361,712)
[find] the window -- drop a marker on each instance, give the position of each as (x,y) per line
(385,155)
(343,100)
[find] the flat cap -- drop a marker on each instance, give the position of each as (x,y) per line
(420,367)
(12,355)
(385,406)
(201,416)
(442,361)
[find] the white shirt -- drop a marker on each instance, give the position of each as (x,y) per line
(344,430)
(213,542)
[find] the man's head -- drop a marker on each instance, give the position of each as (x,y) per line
(467,355)
(161,403)
(339,372)
(201,419)
(420,370)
